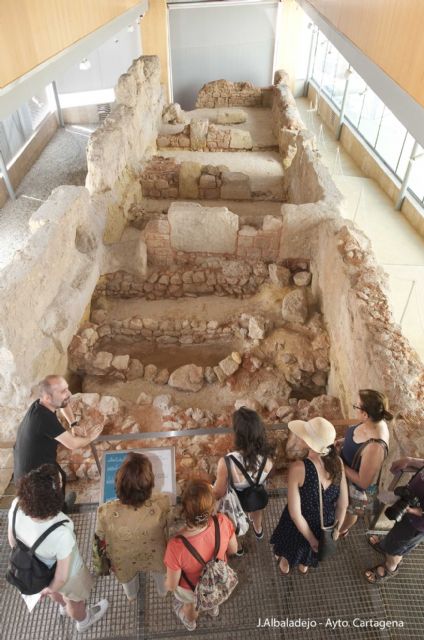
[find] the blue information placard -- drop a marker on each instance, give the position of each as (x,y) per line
(163,463)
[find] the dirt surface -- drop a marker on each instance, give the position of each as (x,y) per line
(221,308)
(259,120)
(171,356)
(263,167)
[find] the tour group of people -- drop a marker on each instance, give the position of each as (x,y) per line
(331,486)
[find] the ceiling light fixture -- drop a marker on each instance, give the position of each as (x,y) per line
(85,64)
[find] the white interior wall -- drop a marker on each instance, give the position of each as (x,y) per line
(293,44)
(208,41)
(108,62)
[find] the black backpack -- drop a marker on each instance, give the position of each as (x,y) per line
(254,497)
(25,571)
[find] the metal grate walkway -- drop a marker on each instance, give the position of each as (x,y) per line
(336,591)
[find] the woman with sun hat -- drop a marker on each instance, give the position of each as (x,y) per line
(297,534)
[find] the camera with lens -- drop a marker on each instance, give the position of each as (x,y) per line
(397,510)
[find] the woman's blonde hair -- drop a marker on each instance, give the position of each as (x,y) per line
(198,502)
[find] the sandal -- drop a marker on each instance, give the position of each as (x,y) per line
(375,545)
(343,534)
(303,573)
(279,559)
(375,577)
(178,609)
(259,535)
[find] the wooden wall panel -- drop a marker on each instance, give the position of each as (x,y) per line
(390,32)
(154,37)
(32,32)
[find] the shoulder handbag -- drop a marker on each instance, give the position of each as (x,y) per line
(230,505)
(327,546)
(361,495)
(101,561)
(357,457)
(255,496)
(217,580)
(25,571)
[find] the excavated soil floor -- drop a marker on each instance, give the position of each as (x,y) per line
(266,301)
(257,122)
(171,356)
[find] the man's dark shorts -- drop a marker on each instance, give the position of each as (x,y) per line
(402,538)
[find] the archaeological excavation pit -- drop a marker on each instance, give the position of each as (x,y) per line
(211,269)
(198,311)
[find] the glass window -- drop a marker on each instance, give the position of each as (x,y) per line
(340,75)
(355,98)
(390,139)
(38,108)
(367,114)
(404,156)
(371,115)
(13,136)
(416,179)
(334,77)
(320,56)
(329,71)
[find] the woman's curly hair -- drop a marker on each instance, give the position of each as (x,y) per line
(40,493)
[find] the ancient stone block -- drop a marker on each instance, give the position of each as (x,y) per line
(207,181)
(150,372)
(135,369)
(121,362)
(162,402)
(302,278)
(236,269)
(229,366)
(102,360)
(108,405)
(271,223)
(173,113)
(240,139)
(163,142)
(256,328)
(210,375)
(163,375)
(189,377)
(198,134)
(280,276)
(295,306)
(230,116)
(197,228)
(235,186)
(219,374)
(189,180)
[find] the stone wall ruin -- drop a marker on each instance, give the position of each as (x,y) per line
(304,311)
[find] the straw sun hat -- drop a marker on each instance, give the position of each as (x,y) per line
(318,433)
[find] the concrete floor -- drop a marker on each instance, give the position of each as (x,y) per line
(399,249)
(63,161)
